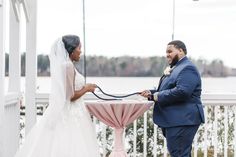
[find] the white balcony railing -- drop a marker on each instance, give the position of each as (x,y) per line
(217,137)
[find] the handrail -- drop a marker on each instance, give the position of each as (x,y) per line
(219,98)
(207,98)
(12,98)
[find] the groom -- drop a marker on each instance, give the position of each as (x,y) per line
(178,108)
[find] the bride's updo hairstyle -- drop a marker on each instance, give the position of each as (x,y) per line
(70,42)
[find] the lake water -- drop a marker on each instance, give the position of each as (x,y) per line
(125,85)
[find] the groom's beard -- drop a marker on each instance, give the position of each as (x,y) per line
(174,61)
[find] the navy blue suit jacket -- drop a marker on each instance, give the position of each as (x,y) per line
(179,98)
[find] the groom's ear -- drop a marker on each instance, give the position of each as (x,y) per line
(182,53)
(181,50)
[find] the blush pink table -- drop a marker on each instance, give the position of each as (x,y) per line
(118,114)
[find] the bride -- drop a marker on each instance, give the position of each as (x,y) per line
(65,129)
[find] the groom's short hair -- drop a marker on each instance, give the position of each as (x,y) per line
(179,45)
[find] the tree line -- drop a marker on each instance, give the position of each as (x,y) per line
(126,66)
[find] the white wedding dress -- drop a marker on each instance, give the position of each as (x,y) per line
(71,134)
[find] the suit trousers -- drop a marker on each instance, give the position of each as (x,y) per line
(179,139)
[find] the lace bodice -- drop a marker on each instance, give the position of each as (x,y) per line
(76,109)
(79,80)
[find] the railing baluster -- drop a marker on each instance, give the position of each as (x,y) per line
(195,145)
(155,141)
(215,131)
(235,131)
(95,122)
(165,148)
(205,130)
(145,135)
(104,140)
(135,138)
(226,131)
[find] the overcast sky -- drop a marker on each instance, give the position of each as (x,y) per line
(142,27)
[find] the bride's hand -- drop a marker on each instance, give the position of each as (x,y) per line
(90,87)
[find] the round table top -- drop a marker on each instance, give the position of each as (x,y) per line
(124,101)
(118,113)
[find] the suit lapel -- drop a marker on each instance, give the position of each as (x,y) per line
(160,81)
(164,76)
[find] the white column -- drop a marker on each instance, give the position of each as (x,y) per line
(12,113)
(14,51)
(31,65)
(2,73)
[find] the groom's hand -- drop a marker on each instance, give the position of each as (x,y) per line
(146,94)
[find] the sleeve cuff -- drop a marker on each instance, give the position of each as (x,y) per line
(155,96)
